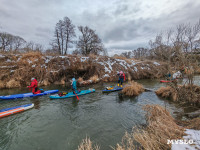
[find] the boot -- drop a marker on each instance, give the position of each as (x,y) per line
(118,84)
(121,85)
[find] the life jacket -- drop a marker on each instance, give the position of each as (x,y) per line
(122,76)
(74,85)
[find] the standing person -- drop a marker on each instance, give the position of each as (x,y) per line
(34,86)
(121,78)
(74,87)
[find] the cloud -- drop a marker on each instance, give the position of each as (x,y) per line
(121,24)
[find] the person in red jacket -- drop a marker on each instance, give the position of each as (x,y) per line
(34,87)
(121,78)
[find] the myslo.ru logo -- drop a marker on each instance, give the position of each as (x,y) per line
(180,141)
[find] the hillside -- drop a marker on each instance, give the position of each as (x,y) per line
(17,69)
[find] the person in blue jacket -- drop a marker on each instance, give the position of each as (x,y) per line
(74,87)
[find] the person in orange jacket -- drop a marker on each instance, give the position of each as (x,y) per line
(121,78)
(34,87)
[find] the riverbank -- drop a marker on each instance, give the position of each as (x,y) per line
(161,132)
(18,69)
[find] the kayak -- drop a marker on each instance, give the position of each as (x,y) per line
(16,96)
(71,94)
(14,110)
(113,90)
(166,81)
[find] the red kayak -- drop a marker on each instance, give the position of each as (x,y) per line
(166,81)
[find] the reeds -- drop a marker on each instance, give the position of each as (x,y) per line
(182,93)
(161,127)
(190,124)
(87,144)
(167,92)
(133,89)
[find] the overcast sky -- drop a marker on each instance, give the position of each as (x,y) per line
(121,24)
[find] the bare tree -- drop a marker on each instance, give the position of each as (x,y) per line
(9,42)
(64,34)
(38,47)
(5,40)
(69,32)
(18,42)
(89,42)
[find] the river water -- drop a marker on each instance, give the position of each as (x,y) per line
(62,124)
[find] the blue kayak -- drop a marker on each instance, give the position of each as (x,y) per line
(16,96)
(71,94)
(14,110)
(113,90)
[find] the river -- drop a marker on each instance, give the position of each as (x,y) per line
(62,124)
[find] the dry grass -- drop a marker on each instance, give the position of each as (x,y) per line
(32,54)
(167,92)
(127,143)
(80,80)
(161,127)
(2,85)
(13,84)
(181,93)
(133,89)
(92,56)
(119,57)
(94,79)
(86,144)
(56,68)
(190,124)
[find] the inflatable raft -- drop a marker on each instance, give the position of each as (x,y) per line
(16,96)
(14,110)
(71,94)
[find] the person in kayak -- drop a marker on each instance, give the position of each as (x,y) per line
(34,86)
(168,76)
(121,78)
(74,87)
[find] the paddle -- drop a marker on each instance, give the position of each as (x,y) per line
(76,95)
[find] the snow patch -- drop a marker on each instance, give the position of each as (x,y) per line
(84,59)
(1,56)
(155,63)
(191,135)
(106,75)
(135,68)
(8,60)
(54,70)
(7,67)
(63,57)
(123,63)
(29,61)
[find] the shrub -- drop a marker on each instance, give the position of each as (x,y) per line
(133,89)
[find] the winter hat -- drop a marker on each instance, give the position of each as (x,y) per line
(73,79)
(32,79)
